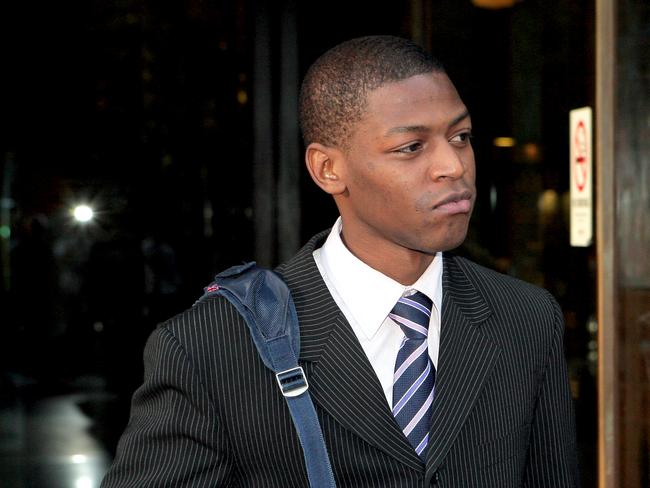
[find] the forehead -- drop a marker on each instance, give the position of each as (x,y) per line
(429,99)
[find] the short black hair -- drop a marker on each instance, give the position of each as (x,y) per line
(334,91)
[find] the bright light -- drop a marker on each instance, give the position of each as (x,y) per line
(78,458)
(83,482)
(548,202)
(504,141)
(83,213)
(494,4)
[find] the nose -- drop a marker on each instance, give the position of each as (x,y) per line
(449,162)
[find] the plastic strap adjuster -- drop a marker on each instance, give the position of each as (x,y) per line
(292,382)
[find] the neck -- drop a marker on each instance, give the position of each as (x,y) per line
(398,263)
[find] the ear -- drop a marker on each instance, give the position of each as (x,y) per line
(325,166)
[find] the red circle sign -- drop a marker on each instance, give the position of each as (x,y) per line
(581,156)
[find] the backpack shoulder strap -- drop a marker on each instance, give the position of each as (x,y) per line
(264,301)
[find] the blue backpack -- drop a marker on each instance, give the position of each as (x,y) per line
(265,303)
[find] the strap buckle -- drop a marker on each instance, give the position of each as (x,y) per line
(292,382)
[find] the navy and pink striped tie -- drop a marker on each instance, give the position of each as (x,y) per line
(414,378)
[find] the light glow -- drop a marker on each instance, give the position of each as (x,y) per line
(83,482)
(504,141)
(83,213)
(78,458)
(494,4)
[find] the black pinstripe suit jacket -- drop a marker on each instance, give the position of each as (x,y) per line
(210,414)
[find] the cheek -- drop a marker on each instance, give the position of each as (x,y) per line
(396,199)
(424,202)
(375,187)
(470,166)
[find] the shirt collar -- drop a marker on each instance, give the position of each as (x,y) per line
(368,294)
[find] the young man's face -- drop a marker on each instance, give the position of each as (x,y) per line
(409,170)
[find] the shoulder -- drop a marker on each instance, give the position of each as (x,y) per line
(523,319)
(504,295)
(212,339)
(215,322)
(494,286)
(207,327)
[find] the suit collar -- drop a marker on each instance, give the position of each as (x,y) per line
(368,294)
(316,307)
(460,285)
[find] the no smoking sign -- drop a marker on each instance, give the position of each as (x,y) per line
(581,168)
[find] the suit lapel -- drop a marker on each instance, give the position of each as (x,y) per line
(341,378)
(346,386)
(466,358)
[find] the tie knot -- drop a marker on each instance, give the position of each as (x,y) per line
(412,313)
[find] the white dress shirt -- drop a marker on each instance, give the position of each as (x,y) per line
(366,297)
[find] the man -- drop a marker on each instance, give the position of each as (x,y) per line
(425,369)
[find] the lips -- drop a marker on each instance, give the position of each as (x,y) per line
(459,202)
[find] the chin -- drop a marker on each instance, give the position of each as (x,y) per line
(449,242)
(432,249)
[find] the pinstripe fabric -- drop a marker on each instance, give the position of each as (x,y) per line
(210,414)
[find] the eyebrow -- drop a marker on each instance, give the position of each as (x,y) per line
(459,118)
(424,128)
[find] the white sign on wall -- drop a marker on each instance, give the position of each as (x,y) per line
(581,154)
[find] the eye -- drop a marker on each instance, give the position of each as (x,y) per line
(462,138)
(410,148)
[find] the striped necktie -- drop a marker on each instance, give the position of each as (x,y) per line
(414,378)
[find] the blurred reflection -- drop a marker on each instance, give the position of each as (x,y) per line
(49,442)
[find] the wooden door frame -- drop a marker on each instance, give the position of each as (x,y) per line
(608,395)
